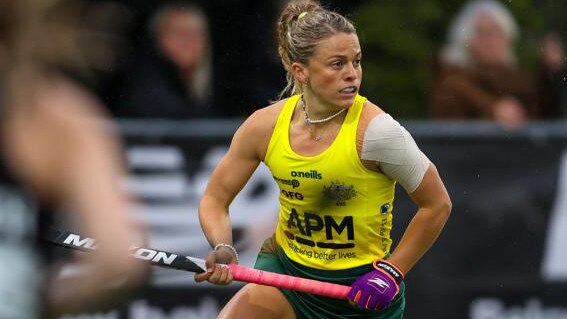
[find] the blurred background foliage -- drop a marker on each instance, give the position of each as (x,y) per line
(400,38)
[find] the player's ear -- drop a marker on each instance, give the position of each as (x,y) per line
(300,72)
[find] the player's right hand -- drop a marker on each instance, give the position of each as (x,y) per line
(217,271)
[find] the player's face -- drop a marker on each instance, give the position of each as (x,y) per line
(334,71)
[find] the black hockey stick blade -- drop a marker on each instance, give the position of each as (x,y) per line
(153,256)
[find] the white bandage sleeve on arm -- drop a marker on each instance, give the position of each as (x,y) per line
(395,152)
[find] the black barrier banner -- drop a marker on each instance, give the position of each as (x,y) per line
(501,255)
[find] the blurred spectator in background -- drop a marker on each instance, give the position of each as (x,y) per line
(476,75)
(57,153)
(172,78)
(553,78)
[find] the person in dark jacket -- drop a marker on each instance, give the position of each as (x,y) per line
(172,79)
(552,78)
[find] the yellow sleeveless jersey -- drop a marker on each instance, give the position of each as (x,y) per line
(334,212)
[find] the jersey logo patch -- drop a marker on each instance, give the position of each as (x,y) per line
(339,192)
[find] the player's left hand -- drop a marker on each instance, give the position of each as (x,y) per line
(377,288)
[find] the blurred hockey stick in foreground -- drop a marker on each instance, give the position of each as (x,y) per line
(192,264)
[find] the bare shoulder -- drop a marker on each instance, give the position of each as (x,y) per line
(46,126)
(62,100)
(265,117)
(57,108)
(254,135)
(260,124)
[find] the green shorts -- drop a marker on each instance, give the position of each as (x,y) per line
(309,306)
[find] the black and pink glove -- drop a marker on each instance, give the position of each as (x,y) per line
(377,288)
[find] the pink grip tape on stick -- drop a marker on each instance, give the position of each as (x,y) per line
(261,277)
(240,273)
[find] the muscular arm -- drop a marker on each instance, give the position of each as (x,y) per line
(228,178)
(389,148)
(434,208)
(247,149)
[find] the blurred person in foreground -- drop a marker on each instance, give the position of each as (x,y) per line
(172,78)
(476,75)
(58,153)
(336,158)
(552,78)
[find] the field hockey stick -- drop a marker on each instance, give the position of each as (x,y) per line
(192,264)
